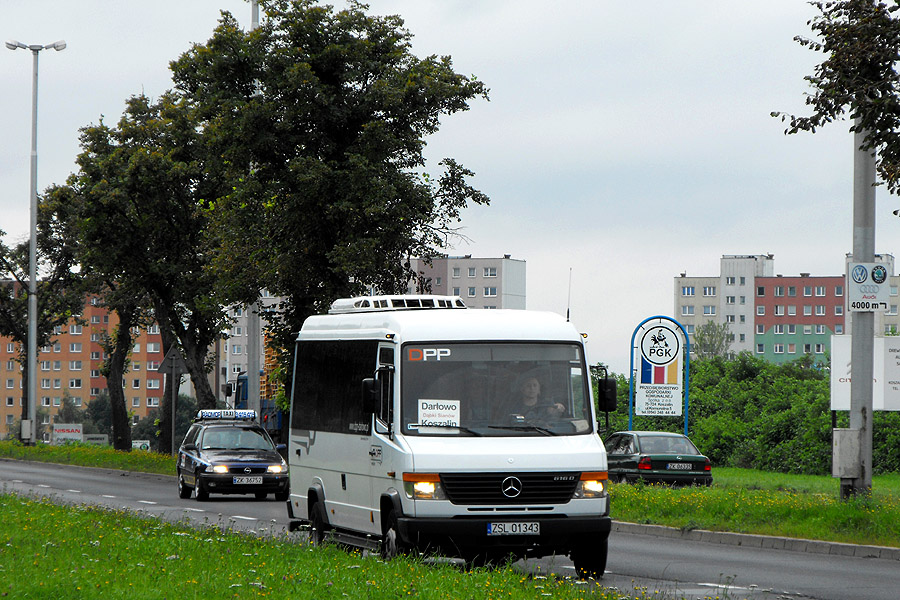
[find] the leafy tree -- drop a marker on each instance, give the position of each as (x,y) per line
(142,192)
(151,426)
(319,118)
(59,286)
(711,339)
(858,77)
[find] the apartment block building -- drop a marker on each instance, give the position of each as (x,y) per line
(481,282)
(70,365)
(775,317)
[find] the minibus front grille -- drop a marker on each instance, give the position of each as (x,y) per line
(509,488)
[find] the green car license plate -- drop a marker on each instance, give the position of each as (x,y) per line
(679,466)
(245,480)
(514,528)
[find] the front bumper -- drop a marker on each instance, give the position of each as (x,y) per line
(215,483)
(559,534)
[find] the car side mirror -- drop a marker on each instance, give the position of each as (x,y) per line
(606,395)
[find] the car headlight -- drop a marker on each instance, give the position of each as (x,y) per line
(423,486)
(591,485)
(220,469)
(277,468)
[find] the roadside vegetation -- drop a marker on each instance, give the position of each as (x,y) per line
(83,552)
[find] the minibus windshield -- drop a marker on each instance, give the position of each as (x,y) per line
(494,389)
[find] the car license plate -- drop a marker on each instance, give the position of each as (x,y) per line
(514,528)
(253,479)
(679,466)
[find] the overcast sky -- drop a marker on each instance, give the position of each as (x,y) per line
(623,143)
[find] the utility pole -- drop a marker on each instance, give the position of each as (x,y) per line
(253,324)
(863,329)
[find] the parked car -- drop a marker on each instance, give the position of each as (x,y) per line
(656,457)
(227,452)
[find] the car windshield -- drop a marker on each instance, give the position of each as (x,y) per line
(234,438)
(494,389)
(667,445)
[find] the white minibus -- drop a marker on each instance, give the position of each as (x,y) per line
(420,425)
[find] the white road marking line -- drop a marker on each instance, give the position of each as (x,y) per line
(146,502)
(244,518)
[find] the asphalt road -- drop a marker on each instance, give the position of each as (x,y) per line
(673,567)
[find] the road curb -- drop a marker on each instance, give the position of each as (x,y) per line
(760,541)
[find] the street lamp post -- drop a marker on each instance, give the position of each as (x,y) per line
(28,432)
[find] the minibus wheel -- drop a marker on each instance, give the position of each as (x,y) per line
(590,560)
(391,544)
(317,526)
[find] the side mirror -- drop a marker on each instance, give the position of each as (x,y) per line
(371,395)
(606,395)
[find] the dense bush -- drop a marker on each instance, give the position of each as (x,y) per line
(747,412)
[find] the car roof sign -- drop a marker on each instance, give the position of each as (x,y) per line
(209,414)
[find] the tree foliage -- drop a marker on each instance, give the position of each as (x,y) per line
(858,77)
(320,119)
(711,339)
(750,413)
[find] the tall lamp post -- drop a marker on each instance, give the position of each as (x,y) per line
(28,432)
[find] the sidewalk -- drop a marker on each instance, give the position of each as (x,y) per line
(760,541)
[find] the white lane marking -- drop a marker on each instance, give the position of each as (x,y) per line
(74,491)
(41,485)
(244,518)
(146,502)
(106,496)
(195,509)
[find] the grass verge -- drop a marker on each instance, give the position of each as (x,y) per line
(49,550)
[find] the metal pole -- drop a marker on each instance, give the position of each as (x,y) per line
(32,259)
(253,324)
(863,323)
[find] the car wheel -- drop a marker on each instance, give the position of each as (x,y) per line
(391,544)
(318,528)
(200,493)
(282,496)
(183,490)
(261,495)
(622,478)
(590,560)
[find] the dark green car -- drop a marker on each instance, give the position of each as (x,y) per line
(656,457)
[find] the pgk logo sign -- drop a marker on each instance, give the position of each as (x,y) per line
(660,345)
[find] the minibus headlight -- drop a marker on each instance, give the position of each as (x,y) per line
(591,485)
(220,469)
(423,486)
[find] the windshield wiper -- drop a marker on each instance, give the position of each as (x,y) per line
(524,427)
(446,426)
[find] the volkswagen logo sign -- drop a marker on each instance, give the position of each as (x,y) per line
(248,470)
(511,487)
(859,274)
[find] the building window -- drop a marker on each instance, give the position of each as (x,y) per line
(471,292)
(95,320)
(760,329)
(57,401)
(820,310)
(690,329)
(743,280)
(57,384)
(687,290)
(45,401)
(743,338)
(152,346)
(778,329)
(75,329)
(760,348)
(136,347)
(792,348)
(438,281)
(237,349)
(839,309)
(75,384)
(709,310)
(152,401)
(807,310)
(136,402)
(729,318)
(761,311)
(455,273)
(135,384)
(820,329)
(792,311)
(792,291)
(490,271)
(743,319)
(471,271)
(792,329)
(135,366)
(778,348)
(779,290)
(807,290)
(820,348)
(687,310)
(45,365)
(838,329)
(74,365)
(153,365)
(760,291)
(729,281)
(807,348)
(153,329)
(45,384)
(729,299)
(709,290)
(839,290)
(153,384)
(820,290)
(490,292)
(779,310)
